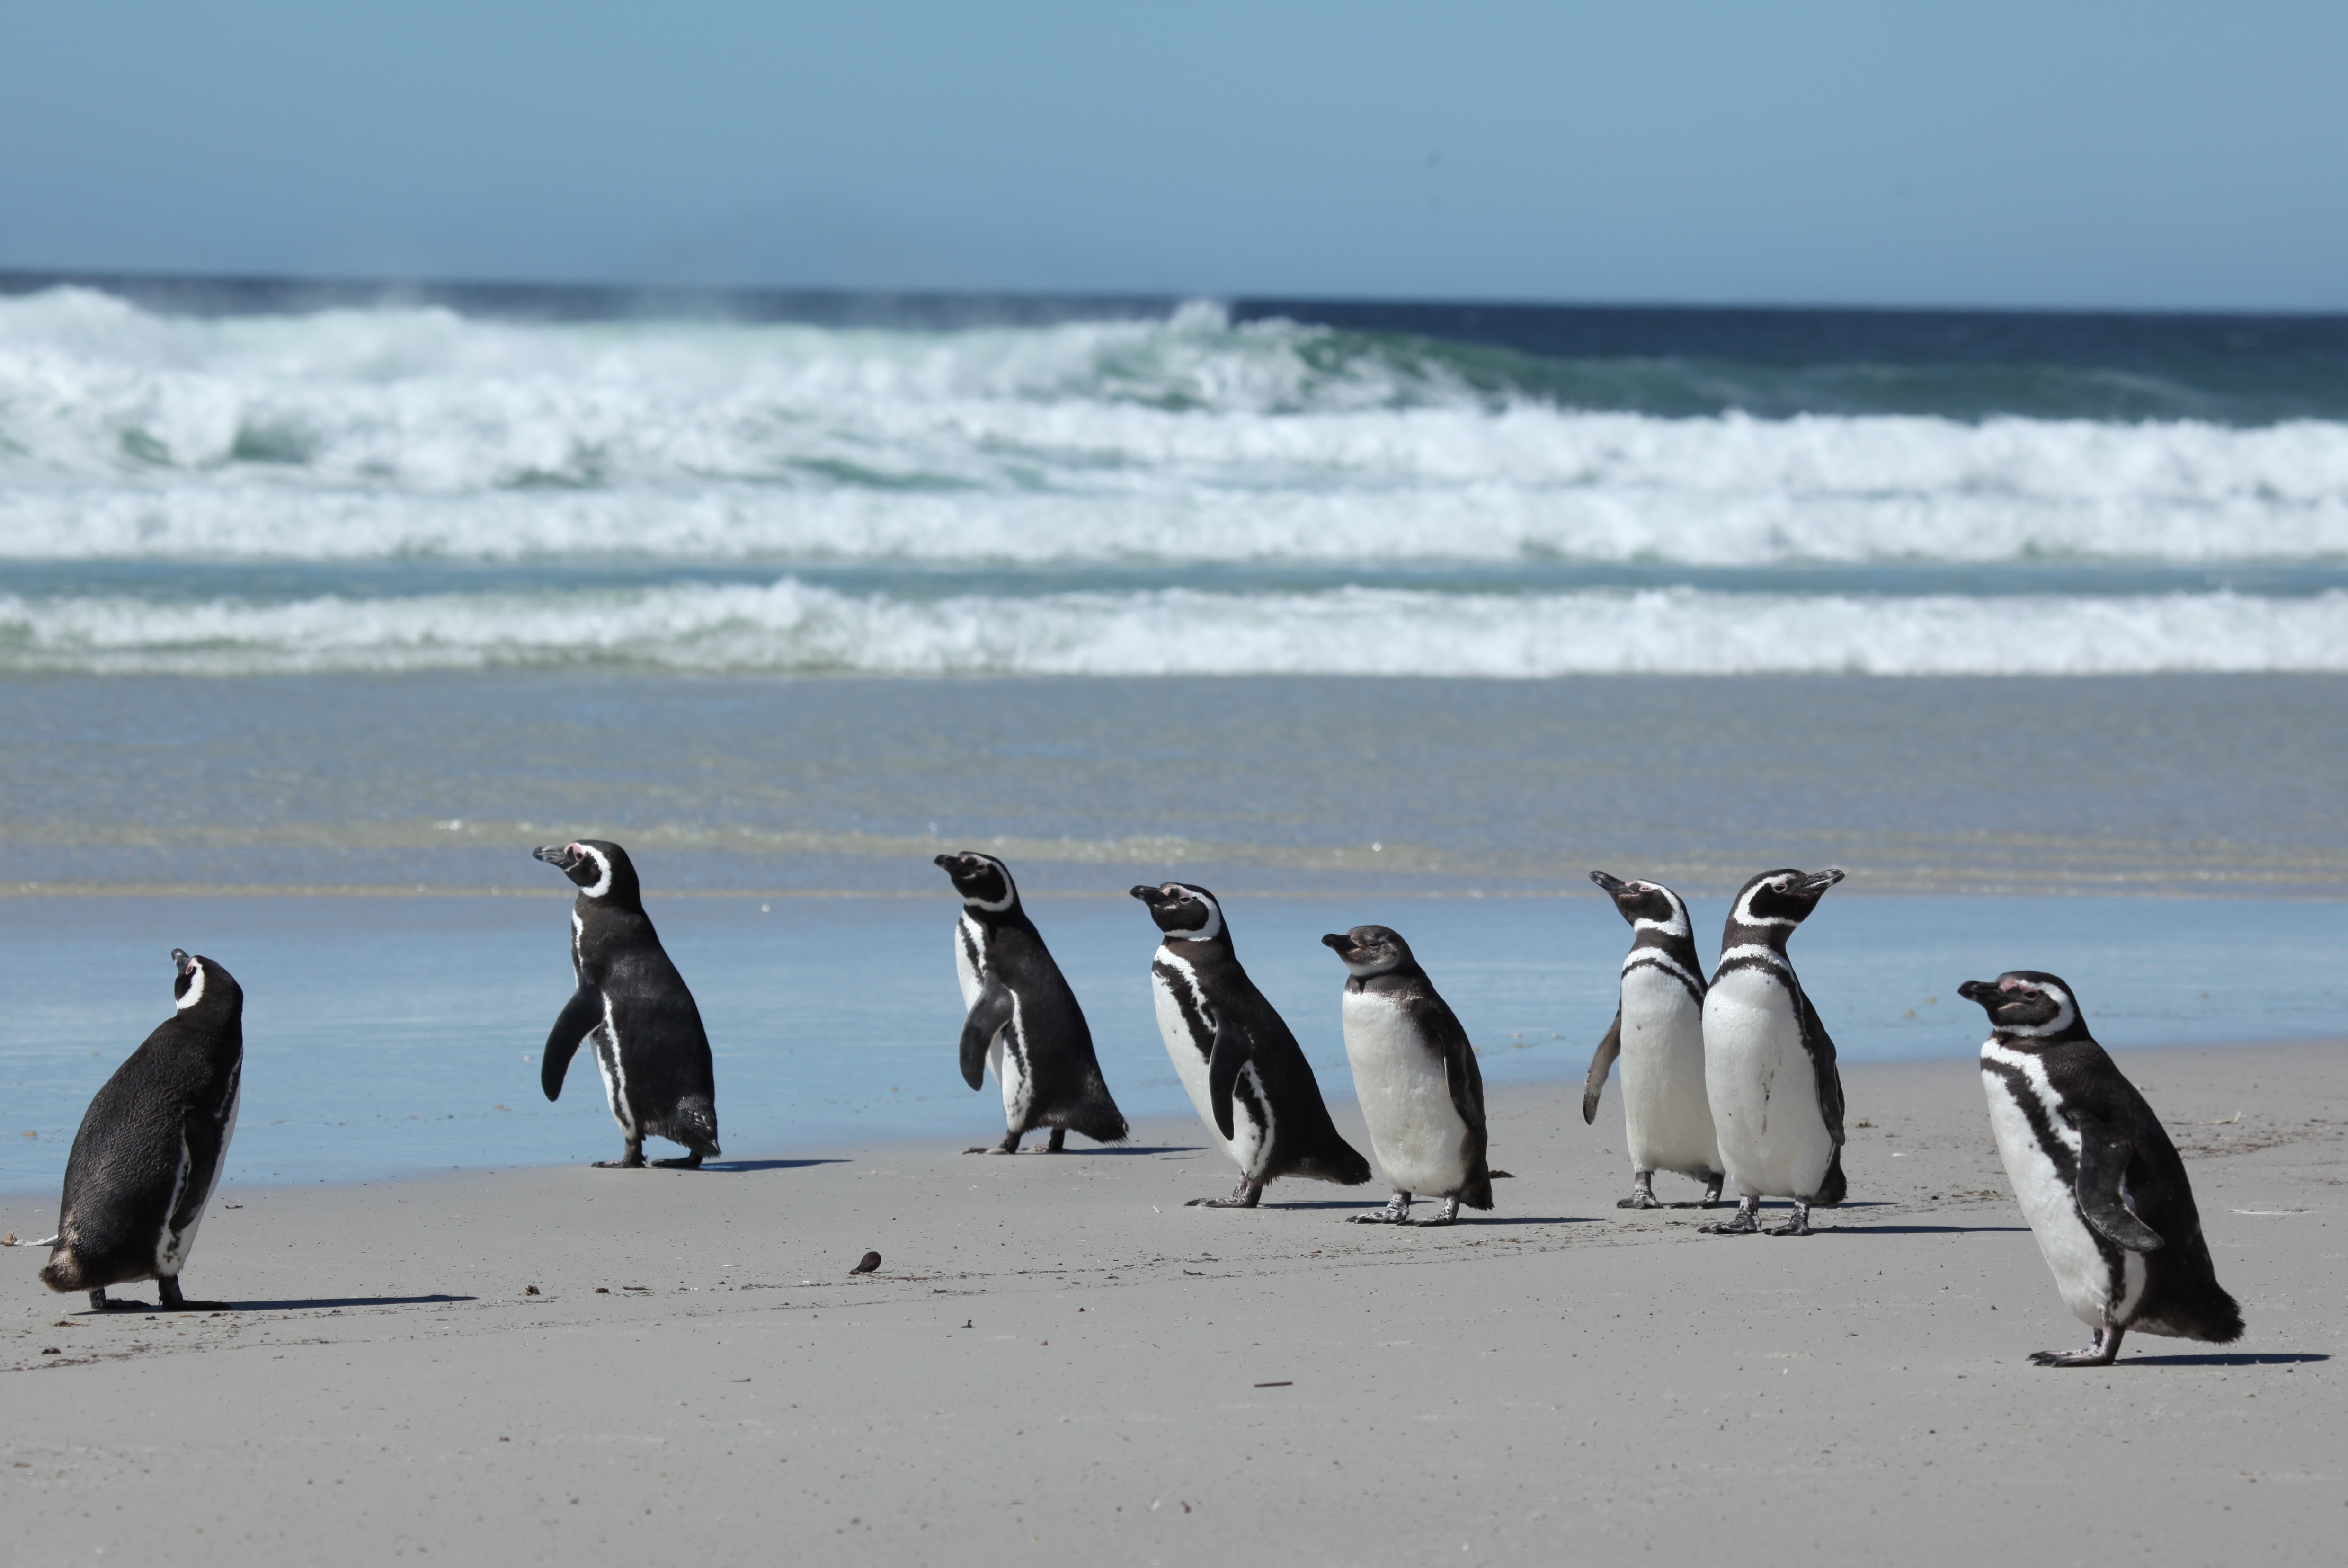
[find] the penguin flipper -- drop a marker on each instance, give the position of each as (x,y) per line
(2103,1161)
(1601,1064)
(1229,1055)
(1821,1048)
(987,1015)
(571,1025)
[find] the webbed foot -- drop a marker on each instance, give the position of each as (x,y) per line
(684,1163)
(1446,1215)
(1642,1192)
(1243,1196)
(1395,1212)
(100,1302)
(2107,1347)
(633,1159)
(1746,1222)
(1712,1185)
(1799,1225)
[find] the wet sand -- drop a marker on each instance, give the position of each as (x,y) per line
(1056,1357)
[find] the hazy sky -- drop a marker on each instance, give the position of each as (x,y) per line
(1976,154)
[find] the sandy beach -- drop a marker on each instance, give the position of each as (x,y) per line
(1057,1358)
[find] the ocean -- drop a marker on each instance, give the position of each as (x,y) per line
(320,604)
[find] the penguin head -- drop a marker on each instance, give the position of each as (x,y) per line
(198,980)
(1371,949)
(2025,1003)
(598,866)
(984,881)
(1648,907)
(1782,898)
(1183,911)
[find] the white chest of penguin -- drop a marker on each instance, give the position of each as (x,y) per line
(1186,1051)
(1667,1111)
(2083,1274)
(1420,1140)
(1763,1088)
(1006,1055)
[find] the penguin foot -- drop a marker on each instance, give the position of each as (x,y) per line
(1395,1212)
(1446,1215)
(1243,1196)
(172,1301)
(100,1302)
(2107,1347)
(684,1163)
(1057,1141)
(633,1159)
(1712,1185)
(1799,1225)
(1746,1222)
(1642,1192)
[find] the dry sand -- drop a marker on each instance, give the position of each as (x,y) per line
(1059,1361)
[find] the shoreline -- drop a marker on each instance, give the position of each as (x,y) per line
(1057,1353)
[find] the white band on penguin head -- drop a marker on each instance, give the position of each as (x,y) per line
(602,883)
(195,992)
(1010,889)
(1214,925)
(1675,924)
(2066,1014)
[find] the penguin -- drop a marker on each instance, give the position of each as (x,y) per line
(1768,1067)
(1022,1020)
(631,1001)
(1416,1075)
(1658,1031)
(150,1149)
(2097,1176)
(1245,1074)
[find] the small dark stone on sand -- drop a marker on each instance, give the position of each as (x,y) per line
(865,1264)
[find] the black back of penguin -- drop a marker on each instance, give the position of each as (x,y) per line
(2124,1158)
(173,1102)
(1306,1142)
(624,975)
(1008,956)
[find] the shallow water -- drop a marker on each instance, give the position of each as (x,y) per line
(388,1035)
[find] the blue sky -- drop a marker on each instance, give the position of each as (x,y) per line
(2139,155)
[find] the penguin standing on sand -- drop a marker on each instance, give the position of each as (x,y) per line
(1245,1074)
(1416,1075)
(1768,1067)
(632,1004)
(1658,1032)
(1022,1020)
(152,1146)
(2098,1178)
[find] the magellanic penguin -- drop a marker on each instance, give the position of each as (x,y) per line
(1768,1067)
(1021,1019)
(632,1004)
(1658,1031)
(2098,1178)
(1245,1073)
(152,1145)
(1416,1075)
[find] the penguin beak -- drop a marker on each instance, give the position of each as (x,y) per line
(1149,895)
(1340,946)
(1982,991)
(180,963)
(558,856)
(944,863)
(1612,886)
(1819,882)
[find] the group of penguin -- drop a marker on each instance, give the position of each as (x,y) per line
(1730,1081)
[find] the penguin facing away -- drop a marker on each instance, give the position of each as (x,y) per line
(2096,1174)
(1658,1032)
(152,1146)
(633,1005)
(1022,1020)
(1416,1075)
(1769,1067)
(1243,1070)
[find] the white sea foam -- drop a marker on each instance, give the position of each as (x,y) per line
(792,626)
(355,435)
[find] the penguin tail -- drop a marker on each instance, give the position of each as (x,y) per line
(1477,1193)
(1835,1187)
(1342,1164)
(64,1272)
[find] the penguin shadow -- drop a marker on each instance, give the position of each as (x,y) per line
(199,1308)
(2225,1359)
(1463,1222)
(1924,1230)
(749,1167)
